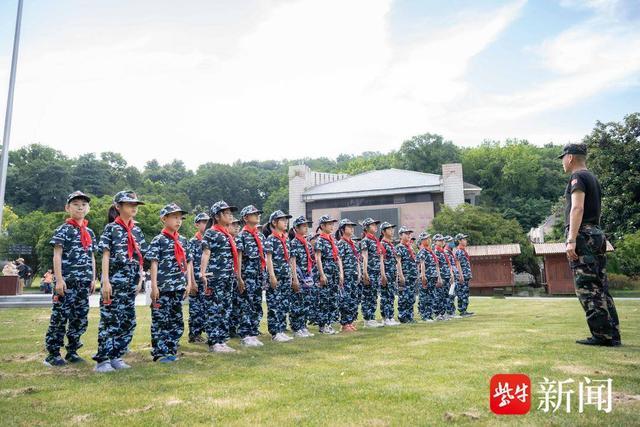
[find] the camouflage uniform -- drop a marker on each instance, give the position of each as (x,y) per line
(407,292)
(250,301)
(428,304)
(329,294)
(167,324)
(118,319)
(303,302)
(352,290)
(445,275)
(450,301)
(591,283)
(197,302)
(370,292)
(388,292)
(278,299)
(220,279)
(69,311)
(462,290)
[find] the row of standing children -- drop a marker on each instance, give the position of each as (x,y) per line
(224,269)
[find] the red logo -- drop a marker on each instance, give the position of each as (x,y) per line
(510,394)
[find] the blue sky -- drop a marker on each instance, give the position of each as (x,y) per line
(222,80)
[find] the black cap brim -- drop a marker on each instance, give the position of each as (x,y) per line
(80,196)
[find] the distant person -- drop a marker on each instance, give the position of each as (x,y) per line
(586,248)
(47,280)
(24,273)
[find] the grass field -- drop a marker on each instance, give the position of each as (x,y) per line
(421,374)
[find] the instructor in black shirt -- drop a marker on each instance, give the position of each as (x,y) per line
(586,248)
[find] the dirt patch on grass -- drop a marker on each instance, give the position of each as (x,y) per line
(23,358)
(80,419)
(132,411)
(172,401)
(625,398)
(15,392)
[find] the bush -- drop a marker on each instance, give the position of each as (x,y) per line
(622,282)
(626,257)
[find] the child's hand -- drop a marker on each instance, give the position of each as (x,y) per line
(402,279)
(341,281)
(323,280)
(106,290)
(92,288)
(61,287)
(241,286)
(424,282)
(155,293)
(384,280)
(366,279)
(273,281)
(295,285)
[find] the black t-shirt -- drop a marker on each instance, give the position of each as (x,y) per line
(586,182)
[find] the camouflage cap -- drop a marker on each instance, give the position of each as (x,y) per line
(301,220)
(277,215)
(127,196)
(248,210)
(404,229)
(202,216)
(423,236)
(220,206)
(236,220)
(346,221)
(438,237)
(324,219)
(580,149)
(171,208)
(368,221)
(448,238)
(78,195)
(460,236)
(386,225)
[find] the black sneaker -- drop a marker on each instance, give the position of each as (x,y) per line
(52,361)
(73,357)
(594,341)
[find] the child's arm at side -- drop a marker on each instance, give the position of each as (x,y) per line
(61,286)
(155,293)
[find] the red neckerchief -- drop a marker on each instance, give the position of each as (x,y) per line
(178,250)
(464,251)
(232,243)
(353,247)
(393,250)
(254,233)
(132,245)
(435,258)
(334,248)
(410,249)
(198,235)
(378,244)
(444,254)
(303,242)
(283,240)
(85,237)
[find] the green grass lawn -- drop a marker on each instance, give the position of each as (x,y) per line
(422,374)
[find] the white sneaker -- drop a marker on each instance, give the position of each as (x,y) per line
(281,337)
(300,334)
(308,333)
(257,341)
(457,316)
(103,367)
(429,320)
(388,322)
(331,330)
(222,348)
(249,342)
(395,322)
(372,324)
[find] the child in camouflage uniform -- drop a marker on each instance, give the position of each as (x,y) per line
(352,289)
(197,308)
(456,276)
(74,245)
(252,273)
(122,244)
(220,258)
(408,280)
(371,251)
(462,290)
(280,266)
(429,278)
(171,272)
(391,269)
(303,301)
(445,276)
(331,277)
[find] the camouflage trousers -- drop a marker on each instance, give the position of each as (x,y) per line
(219,303)
(351,294)
(370,296)
(440,298)
(167,324)
(278,306)
(249,305)
(300,305)
(462,293)
(118,319)
(450,306)
(68,315)
(590,279)
(427,299)
(329,298)
(388,297)
(407,299)
(197,312)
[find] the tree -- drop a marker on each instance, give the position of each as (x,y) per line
(614,156)
(627,254)
(486,227)
(427,153)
